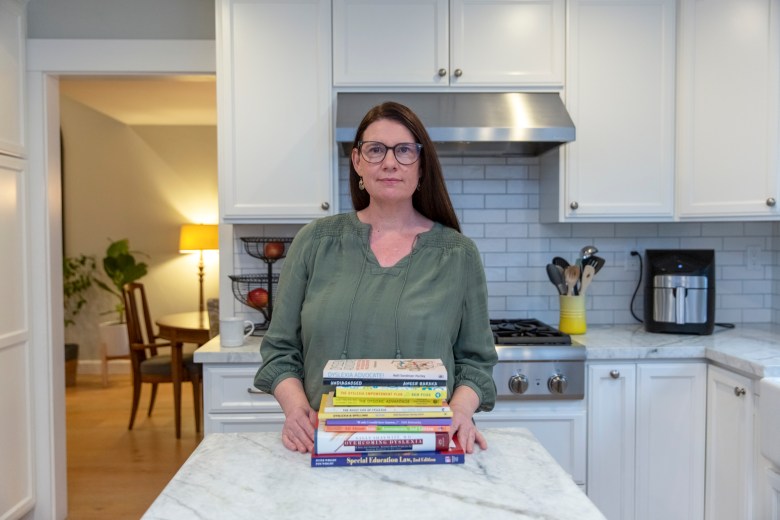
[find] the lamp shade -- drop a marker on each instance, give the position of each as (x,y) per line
(198,237)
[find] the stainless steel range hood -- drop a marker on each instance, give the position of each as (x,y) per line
(470,123)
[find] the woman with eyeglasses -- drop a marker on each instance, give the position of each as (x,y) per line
(393,279)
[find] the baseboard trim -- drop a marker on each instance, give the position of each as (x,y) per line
(93,366)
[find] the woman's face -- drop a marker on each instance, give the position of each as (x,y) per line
(387,180)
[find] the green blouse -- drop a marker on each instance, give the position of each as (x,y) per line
(335,301)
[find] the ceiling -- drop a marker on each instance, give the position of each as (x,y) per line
(147,100)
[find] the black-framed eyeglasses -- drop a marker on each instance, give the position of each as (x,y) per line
(375,152)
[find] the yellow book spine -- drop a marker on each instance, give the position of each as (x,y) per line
(385,401)
(437,392)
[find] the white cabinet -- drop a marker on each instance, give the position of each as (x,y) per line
(730,447)
(231,403)
(389,43)
(728,147)
(13,28)
(560,427)
(620,93)
(773,494)
(274,110)
(646,422)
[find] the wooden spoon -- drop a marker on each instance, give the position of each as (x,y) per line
(587,275)
(572,274)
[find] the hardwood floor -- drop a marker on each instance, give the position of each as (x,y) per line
(112,472)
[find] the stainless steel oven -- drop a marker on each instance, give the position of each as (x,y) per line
(540,379)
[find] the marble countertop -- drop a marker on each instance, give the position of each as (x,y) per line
(752,349)
(251,475)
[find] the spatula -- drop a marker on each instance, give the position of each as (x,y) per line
(555,274)
(587,275)
(572,274)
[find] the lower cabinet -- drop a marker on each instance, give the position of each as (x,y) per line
(772,491)
(231,403)
(646,426)
(730,446)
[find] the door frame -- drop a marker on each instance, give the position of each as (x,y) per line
(47,60)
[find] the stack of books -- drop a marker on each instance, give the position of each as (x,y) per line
(385,412)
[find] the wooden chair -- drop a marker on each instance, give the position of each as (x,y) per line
(149,366)
(212,307)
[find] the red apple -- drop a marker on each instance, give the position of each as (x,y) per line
(273,250)
(258,298)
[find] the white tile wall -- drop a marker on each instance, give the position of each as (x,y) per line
(497,202)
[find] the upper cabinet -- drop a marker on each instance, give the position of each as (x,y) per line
(728,146)
(13,29)
(441,43)
(620,80)
(274,110)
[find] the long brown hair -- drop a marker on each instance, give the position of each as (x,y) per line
(431,199)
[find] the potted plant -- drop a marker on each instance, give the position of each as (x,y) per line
(121,268)
(78,273)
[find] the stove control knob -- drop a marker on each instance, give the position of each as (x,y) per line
(557,384)
(518,384)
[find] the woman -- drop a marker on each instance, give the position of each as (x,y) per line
(394,279)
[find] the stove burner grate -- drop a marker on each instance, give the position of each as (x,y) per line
(526,332)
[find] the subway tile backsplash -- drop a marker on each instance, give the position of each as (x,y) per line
(497,202)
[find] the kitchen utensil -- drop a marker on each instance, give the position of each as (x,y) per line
(555,273)
(588,271)
(588,251)
(597,262)
(560,262)
(572,277)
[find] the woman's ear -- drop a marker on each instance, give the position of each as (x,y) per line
(355,158)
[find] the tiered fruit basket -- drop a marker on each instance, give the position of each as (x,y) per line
(257,290)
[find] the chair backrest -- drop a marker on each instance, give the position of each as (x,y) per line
(139,321)
(212,306)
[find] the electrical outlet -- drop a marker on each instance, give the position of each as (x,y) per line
(630,263)
(754,258)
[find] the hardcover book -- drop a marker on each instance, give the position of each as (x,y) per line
(379,428)
(386,369)
(411,421)
(454,455)
(401,392)
(387,401)
(357,442)
(329,411)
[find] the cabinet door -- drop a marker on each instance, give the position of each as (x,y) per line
(500,42)
(729,445)
(670,427)
(728,141)
(12,69)
(620,95)
(274,110)
(390,42)
(611,432)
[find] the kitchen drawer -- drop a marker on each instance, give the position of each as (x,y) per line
(244,422)
(230,389)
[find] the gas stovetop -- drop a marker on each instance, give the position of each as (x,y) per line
(526,332)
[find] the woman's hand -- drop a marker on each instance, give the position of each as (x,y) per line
(463,404)
(298,429)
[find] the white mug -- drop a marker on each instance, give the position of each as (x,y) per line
(233,331)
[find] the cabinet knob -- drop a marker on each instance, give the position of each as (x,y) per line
(458,73)
(442,72)
(614,374)
(771,202)
(251,390)
(325,206)
(574,204)
(739,391)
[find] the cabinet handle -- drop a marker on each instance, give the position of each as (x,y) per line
(325,206)
(739,391)
(771,202)
(251,390)
(442,72)
(458,73)
(614,374)
(574,204)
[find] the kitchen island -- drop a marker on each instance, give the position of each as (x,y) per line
(251,475)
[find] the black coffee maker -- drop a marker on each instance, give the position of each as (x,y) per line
(680,291)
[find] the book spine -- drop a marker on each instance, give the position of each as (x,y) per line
(385,369)
(387,459)
(383,415)
(386,401)
(406,392)
(390,429)
(328,442)
(352,381)
(390,422)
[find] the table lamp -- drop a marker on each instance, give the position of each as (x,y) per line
(199,237)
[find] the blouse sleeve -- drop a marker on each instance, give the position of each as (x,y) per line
(281,348)
(475,349)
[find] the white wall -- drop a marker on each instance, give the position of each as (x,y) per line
(140,183)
